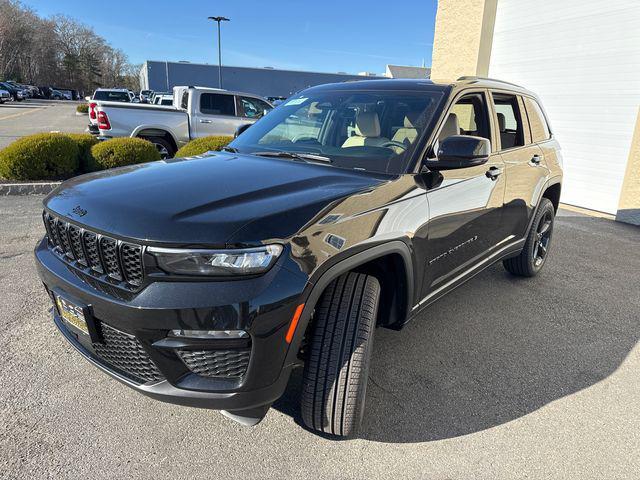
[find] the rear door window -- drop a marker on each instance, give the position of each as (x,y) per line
(537,121)
(509,120)
(217,104)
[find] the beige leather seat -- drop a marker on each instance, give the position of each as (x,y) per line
(367,131)
(451,127)
(409,132)
(507,139)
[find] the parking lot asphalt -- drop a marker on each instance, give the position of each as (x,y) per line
(504,378)
(18,119)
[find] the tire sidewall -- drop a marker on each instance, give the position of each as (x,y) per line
(545,207)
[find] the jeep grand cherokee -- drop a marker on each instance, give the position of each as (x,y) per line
(205,281)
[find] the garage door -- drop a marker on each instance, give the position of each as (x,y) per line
(583,58)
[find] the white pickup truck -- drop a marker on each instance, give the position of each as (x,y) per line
(196,112)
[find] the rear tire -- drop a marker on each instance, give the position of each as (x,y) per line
(336,372)
(536,248)
(165,149)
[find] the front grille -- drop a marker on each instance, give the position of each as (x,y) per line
(100,256)
(109,248)
(216,363)
(125,353)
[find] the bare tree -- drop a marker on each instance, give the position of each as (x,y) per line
(58,51)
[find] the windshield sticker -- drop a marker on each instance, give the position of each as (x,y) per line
(296,101)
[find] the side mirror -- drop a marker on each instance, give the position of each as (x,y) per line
(460,151)
(241,129)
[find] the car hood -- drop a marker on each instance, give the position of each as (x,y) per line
(205,201)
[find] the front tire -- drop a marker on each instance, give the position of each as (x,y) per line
(536,248)
(336,372)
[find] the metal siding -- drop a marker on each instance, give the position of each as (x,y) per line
(261,81)
(583,58)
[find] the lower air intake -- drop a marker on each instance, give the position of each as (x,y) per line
(216,363)
(125,353)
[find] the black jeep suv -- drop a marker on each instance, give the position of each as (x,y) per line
(205,281)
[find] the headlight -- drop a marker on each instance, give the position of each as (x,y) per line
(217,262)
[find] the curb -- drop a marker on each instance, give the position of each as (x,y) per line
(7,189)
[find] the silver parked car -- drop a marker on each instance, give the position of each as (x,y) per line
(5,96)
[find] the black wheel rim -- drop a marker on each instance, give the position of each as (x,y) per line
(542,239)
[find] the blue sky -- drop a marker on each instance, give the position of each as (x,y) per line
(317,35)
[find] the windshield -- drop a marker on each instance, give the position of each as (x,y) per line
(367,130)
(111,96)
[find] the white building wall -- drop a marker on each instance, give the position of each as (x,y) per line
(583,58)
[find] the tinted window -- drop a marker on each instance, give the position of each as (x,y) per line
(472,116)
(184,103)
(509,120)
(217,104)
(537,122)
(111,96)
(253,107)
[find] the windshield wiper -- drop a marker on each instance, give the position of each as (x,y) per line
(230,149)
(304,156)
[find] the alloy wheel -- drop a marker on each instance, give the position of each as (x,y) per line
(542,239)
(162,150)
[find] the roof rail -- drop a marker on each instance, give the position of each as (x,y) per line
(473,77)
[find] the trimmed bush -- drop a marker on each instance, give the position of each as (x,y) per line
(44,156)
(203,145)
(82,108)
(86,162)
(119,152)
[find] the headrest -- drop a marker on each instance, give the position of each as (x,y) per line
(411,119)
(501,122)
(368,124)
(450,127)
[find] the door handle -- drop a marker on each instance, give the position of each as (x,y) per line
(493,173)
(536,159)
(205,121)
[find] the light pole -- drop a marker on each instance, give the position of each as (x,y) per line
(219,19)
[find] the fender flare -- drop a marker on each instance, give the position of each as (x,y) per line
(549,183)
(136,131)
(317,286)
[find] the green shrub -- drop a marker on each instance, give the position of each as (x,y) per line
(44,156)
(202,145)
(82,108)
(119,152)
(86,162)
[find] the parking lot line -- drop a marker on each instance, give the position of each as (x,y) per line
(22,113)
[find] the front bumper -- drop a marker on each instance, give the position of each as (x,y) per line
(261,306)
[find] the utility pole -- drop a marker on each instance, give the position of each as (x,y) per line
(218,20)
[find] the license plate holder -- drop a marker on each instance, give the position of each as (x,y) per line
(75,315)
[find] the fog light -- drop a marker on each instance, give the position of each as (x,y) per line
(210,334)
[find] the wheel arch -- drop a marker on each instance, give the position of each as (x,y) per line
(150,131)
(552,192)
(391,263)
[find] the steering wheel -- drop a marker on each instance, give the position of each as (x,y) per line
(393,143)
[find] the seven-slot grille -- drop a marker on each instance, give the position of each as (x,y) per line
(99,254)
